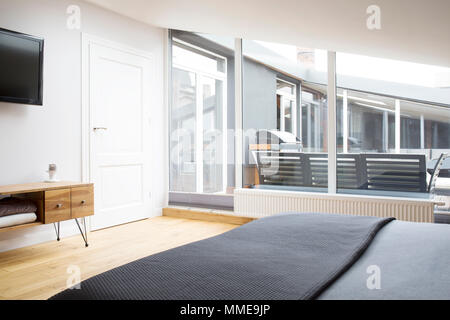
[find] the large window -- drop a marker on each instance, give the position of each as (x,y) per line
(200,114)
(392,120)
(393,126)
(284,117)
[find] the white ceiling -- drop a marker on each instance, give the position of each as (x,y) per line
(411,30)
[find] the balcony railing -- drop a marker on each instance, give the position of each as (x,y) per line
(356,171)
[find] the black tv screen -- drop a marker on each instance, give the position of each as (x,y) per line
(21,67)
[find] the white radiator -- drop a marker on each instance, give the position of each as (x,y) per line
(260,203)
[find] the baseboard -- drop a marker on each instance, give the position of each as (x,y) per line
(205,215)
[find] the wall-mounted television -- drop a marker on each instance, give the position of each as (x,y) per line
(21,67)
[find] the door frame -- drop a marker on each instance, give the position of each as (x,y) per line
(86,111)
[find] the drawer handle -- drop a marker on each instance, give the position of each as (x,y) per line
(59,205)
(83,201)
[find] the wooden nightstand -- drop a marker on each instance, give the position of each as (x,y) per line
(56,202)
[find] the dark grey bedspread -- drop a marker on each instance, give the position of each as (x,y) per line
(288,256)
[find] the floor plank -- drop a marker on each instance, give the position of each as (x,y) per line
(40,271)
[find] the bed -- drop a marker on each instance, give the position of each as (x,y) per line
(414,259)
(289,256)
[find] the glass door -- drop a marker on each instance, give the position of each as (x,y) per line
(198,121)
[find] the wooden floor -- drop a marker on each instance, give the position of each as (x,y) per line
(40,271)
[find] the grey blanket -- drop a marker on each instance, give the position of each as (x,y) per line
(288,256)
(11,205)
(413,260)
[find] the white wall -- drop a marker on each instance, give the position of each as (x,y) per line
(31,137)
(411,30)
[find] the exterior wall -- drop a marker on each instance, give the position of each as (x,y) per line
(260,99)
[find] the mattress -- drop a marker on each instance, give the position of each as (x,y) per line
(17,219)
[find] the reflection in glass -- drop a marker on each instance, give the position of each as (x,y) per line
(369,120)
(314,117)
(202,67)
(288,120)
(212,135)
(393,125)
(183,133)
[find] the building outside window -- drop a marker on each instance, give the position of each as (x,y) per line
(286,107)
(274,75)
(314,117)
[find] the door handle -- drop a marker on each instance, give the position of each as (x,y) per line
(100,128)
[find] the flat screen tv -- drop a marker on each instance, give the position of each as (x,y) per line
(21,67)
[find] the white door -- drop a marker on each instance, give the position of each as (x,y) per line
(119,102)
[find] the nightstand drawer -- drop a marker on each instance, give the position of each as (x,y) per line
(82,201)
(57,205)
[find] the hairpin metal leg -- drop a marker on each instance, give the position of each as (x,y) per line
(56,230)
(84,235)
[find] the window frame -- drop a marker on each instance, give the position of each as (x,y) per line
(200,75)
(291,97)
(297,100)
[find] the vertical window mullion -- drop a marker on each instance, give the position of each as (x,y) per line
(199,134)
(294,112)
(294,117)
(397,126)
(224,136)
(317,127)
(308,126)
(332,155)
(282,113)
(300,115)
(238,113)
(422,132)
(345,122)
